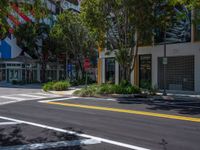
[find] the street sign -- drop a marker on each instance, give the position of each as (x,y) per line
(69,67)
(165,61)
(86,64)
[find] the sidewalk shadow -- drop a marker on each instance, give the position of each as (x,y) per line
(13,136)
(27,86)
(181,107)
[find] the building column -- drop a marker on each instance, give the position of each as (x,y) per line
(57,72)
(103,71)
(197,72)
(99,71)
(154,70)
(116,72)
(135,73)
(38,73)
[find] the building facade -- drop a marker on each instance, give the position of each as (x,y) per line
(183,61)
(14,66)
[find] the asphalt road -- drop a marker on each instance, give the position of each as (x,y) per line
(144,131)
(7,89)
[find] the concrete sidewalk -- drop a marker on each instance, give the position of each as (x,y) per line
(159,96)
(68,92)
(178,96)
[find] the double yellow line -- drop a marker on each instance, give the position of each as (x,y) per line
(135,112)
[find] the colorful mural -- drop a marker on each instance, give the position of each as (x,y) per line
(16,17)
(197,26)
(180,31)
(5,50)
(71,4)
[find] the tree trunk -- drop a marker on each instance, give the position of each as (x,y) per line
(81,68)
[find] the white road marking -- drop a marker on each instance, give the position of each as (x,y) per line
(3,103)
(13,98)
(55,100)
(77,134)
(51,145)
(8,123)
(49,95)
(33,96)
(100,99)
(88,98)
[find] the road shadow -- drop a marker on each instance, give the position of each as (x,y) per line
(13,136)
(189,107)
(27,86)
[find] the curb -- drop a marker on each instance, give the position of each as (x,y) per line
(133,97)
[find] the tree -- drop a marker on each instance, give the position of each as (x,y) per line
(73,38)
(4,9)
(38,7)
(122,24)
(192,4)
(32,38)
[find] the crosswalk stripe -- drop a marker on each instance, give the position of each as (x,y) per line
(49,95)
(32,96)
(25,97)
(13,98)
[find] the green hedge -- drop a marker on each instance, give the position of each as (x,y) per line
(93,90)
(56,86)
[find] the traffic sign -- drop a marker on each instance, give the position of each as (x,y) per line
(86,64)
(69,67)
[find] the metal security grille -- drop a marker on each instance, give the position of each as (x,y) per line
(179,73)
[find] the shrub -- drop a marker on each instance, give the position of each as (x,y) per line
(14,82)
(61,85)
(82,81)
(153,90)
(89,91)
(125,83)
(48,86)
(108,89)
(18,82)
(57,86)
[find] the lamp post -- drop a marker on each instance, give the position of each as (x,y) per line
(164,64)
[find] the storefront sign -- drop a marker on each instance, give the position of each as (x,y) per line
(165,61)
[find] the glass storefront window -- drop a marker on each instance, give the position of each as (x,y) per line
(110,70)
(145,71)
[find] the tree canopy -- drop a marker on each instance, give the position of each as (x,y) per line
(123,25)
(37,7)
(73,38)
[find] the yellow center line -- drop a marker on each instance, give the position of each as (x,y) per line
(144,113)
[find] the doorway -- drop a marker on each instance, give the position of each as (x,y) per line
(145,71)
(14,74)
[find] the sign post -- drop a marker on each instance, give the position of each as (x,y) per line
(69,70)
(86,67)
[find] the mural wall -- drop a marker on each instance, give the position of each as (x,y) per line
(197,26)
(180,31)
